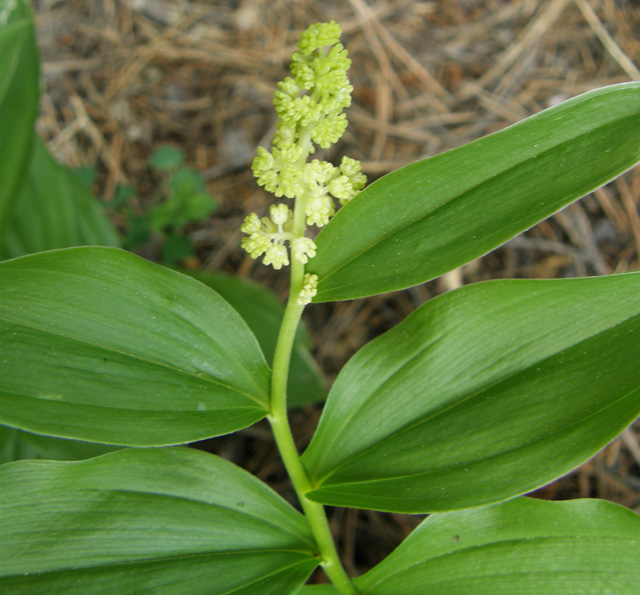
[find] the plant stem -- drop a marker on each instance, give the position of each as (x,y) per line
(314,512)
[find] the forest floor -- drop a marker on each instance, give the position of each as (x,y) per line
(125,76)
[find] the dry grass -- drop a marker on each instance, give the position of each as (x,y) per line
(123,76)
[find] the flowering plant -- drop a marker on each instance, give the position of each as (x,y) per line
(480,396)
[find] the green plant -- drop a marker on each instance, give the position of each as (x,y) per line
(478,397)
(181,199)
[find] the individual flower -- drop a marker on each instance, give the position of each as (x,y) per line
(329,131)
(302,249)
(351,168)
(319,210)
(256,244)
(279,215)
(252,224)
(276,255)
(342,189)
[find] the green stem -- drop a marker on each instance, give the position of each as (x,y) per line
(314,512)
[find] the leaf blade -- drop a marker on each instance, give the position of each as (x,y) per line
(19,94)
(523,546)
(161,519)
(54,210)
(434,215)
(475,386)
(100,345)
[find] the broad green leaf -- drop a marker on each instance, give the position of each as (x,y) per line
(263,312)
(55,210)
(523,547)
(432,216)
(98,344)
(16,445)
(19,79)
(482,394)
(165,520)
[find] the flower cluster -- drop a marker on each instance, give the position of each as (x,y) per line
(310,107)
(268,235)
(309,289)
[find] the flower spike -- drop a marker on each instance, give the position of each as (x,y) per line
(310,106)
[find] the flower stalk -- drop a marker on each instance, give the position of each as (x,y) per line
(279,421)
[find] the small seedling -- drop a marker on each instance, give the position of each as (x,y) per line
(182,199)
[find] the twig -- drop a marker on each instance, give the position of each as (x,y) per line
(611,46)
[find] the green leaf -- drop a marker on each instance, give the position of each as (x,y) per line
(19,92)
(100,345)
(166,157)
(55,210)
(482,394)
(524,546)
(166,521)
(16,445)
(437,214)
(263,312)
